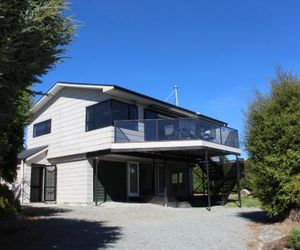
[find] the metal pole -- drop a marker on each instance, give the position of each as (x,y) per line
(176,94)
(238,180)
(166,184)
(188,179)
(154,178)
(156,129)
(207,176)
(203,182)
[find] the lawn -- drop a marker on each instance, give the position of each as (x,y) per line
(249,201)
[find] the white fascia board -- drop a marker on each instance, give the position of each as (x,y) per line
(58,86)
(161,145)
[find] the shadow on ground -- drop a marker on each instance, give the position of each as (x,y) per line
(49,232)
(258,217)
(31,211)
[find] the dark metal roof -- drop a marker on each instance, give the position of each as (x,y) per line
(29,152)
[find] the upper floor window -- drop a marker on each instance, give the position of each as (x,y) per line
(150,114)
(104,114)
(42,128)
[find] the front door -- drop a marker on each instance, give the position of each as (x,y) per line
(36,188)
(43,183)
(178,181)
(133,179)
(50,183)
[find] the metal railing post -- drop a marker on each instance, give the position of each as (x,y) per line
(156,131)
(115,128)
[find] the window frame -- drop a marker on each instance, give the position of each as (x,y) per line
(39,123)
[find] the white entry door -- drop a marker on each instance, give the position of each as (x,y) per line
(133,179)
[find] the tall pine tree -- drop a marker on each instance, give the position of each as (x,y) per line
(33,34)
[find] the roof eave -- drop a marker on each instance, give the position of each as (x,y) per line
(107,88)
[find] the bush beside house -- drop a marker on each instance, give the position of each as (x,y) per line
(9,206)
(273,142)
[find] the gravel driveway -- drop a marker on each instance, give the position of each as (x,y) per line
(135,226)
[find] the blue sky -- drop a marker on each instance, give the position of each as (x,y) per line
(218,52)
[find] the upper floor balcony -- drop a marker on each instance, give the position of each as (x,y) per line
(181,129)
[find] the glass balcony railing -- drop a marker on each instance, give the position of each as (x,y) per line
(174,130)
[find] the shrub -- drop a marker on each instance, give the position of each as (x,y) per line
(9,206)
(294,239)
(273,143)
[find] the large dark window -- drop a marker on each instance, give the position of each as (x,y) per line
(150,114)
(150,124)
(104,114)
(42,128)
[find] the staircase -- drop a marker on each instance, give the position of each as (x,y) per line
(222,179)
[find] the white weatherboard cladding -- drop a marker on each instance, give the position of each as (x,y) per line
(67,112)
(90,181)
(27,182)
(74,182)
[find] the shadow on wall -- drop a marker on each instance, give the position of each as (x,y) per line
(49,232)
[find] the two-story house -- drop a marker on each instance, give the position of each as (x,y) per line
(88,143)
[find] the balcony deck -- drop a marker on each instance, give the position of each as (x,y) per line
(174,134)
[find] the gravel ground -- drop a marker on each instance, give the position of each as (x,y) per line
(138,226)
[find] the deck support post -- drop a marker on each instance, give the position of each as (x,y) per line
(154,181)
(238,176)
(203,183)
(188,180)
(166,184)
(96,180)
(207,178)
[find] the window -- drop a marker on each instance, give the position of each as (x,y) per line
(42,128)
(149,114)
(98,116)
(104,114)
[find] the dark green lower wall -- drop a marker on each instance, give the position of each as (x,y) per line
(111,181)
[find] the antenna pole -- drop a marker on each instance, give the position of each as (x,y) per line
(176,95)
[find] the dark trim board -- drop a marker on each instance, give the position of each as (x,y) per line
(98,153)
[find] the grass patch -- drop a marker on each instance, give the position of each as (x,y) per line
(249,201)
